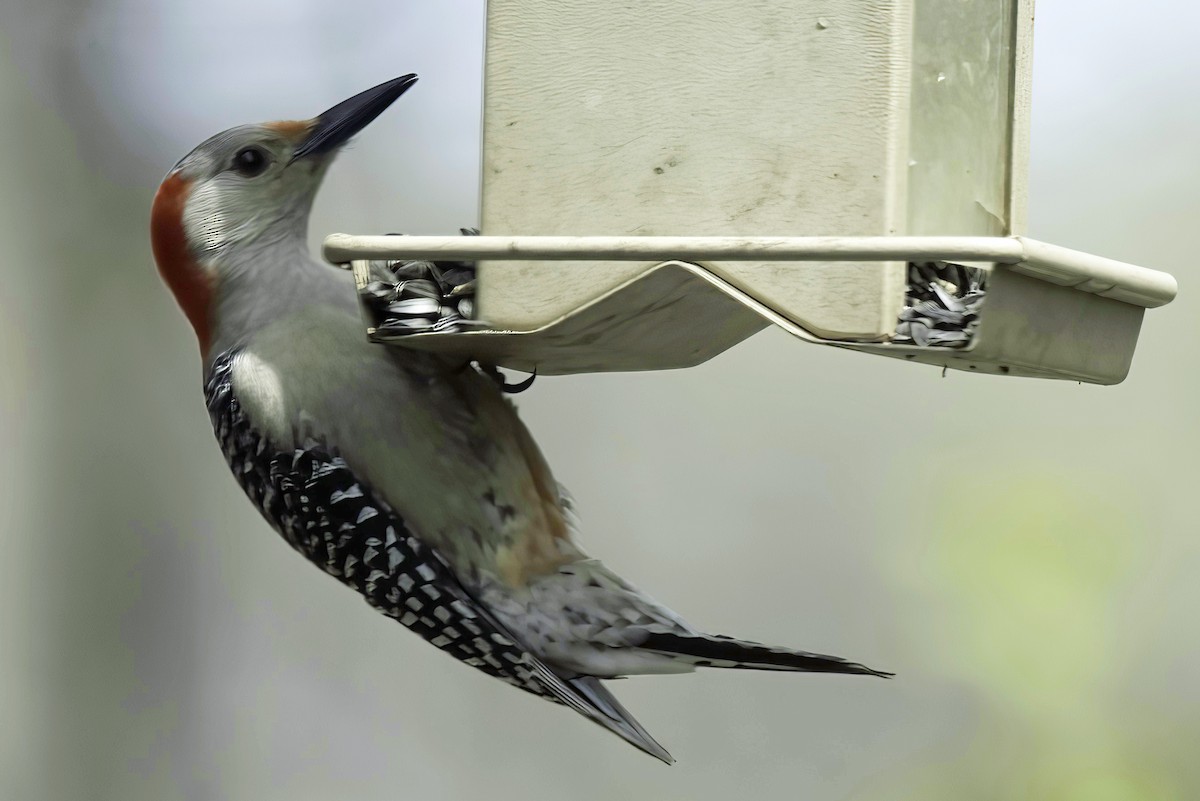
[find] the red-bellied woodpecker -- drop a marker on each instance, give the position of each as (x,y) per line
(401,474)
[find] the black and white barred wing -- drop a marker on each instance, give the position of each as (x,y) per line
(310,495)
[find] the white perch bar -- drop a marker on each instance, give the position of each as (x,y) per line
(1058,265)
(345,248)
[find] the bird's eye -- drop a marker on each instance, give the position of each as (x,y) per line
(250,161)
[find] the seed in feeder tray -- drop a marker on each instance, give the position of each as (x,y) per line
(419,289)
(378,289)
(398,325)
(936,314)
(942,305)
(948,338)
(919,332)
(418,296)
(949,301)
(415,307)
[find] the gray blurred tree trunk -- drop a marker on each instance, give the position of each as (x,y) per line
(92,565)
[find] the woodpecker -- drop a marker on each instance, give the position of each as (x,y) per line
(401,474)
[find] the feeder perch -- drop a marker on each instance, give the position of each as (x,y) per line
(649,172)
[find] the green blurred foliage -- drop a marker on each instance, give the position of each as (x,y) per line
(1020,572)
(1022,553)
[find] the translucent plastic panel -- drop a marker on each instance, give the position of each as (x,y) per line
(961,117)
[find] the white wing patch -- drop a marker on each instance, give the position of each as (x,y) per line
(260,392)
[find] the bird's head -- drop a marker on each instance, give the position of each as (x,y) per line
(248,187)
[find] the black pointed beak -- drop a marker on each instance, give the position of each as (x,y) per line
(333,128)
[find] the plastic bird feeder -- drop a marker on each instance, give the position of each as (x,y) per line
(653,176)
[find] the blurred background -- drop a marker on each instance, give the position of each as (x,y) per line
(1024,554)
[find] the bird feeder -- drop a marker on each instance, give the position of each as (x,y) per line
(663,180)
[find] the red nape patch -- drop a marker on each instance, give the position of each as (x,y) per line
(192,287)
(292,129)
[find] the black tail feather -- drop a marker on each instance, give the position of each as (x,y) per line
(616,718)
(726,652)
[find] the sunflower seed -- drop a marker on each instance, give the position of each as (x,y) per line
(415,307)
(942,305)
(408,297)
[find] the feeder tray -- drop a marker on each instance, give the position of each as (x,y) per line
(692,135)
(1031,309)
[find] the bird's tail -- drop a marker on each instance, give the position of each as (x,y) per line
(710,650)
(616,718)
